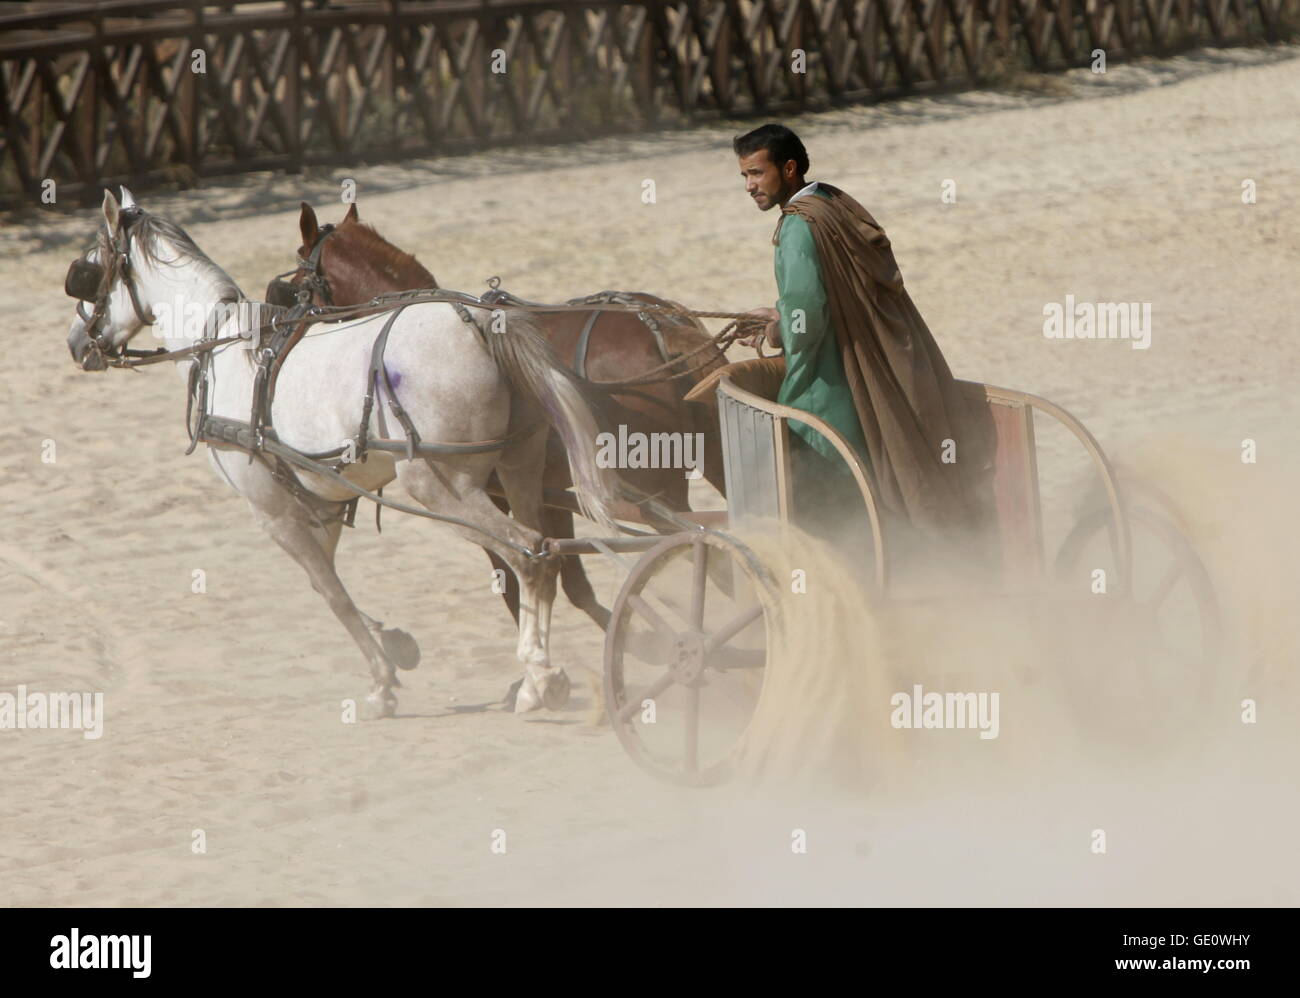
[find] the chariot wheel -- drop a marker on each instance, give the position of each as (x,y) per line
(686,655)
(1146,657)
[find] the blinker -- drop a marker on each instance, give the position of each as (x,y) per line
(83,280)
(282,293)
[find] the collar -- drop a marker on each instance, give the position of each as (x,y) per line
(807,190)
(785,210)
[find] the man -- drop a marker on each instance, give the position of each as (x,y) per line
(859,355)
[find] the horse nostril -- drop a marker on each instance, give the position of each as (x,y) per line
(86,358)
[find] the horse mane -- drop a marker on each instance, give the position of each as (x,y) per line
(152,230)
(400,266)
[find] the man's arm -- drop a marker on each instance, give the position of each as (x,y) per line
(802,307)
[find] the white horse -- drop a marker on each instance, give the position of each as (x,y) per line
(453,386)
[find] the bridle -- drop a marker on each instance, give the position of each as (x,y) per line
(314,282)
(93,282)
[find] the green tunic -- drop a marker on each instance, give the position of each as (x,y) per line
(814,376)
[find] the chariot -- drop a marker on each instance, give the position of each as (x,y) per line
(686,649)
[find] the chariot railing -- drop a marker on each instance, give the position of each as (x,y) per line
(756,452)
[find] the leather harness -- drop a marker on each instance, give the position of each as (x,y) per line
(287,328)
(496,295)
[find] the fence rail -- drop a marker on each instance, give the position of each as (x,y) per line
(152,90)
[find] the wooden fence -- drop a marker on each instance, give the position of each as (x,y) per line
(157,90)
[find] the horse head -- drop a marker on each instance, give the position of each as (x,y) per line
(105,277)
(346,264)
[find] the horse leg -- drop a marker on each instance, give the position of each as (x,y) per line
(521,470)
(313,549)
(511,592)
(397,644)
(542,684)
(558,523)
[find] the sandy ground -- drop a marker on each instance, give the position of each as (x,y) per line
(223,708)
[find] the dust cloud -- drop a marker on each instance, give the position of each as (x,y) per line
(1140,757)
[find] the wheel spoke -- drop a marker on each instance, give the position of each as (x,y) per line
(698,584)
(729,630)
(667,602)
(651,647)
(630,708)
(642,607)
(692,729)
(737,659)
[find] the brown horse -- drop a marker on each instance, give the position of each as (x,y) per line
(351,263)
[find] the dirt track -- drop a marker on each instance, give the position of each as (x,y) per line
(223,707)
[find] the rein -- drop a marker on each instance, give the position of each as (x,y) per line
(143,358)
(315,281)
(723,339)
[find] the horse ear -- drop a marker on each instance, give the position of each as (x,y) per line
(352,215)
(307,225)
(111,211)
(127,200)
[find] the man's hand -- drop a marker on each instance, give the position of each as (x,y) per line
(771,333)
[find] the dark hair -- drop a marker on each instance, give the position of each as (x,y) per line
(781,145)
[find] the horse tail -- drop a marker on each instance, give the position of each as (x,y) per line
(530,365)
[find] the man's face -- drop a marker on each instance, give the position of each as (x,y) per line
(766,184)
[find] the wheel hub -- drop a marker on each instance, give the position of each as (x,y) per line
(686,659)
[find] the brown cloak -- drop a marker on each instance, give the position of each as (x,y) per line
(906,398)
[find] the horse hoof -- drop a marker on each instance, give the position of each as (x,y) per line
(400,648)
(379,704)
(525,696)
(555,691)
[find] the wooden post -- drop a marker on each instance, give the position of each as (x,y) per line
(99,73)
(721,68)
(293,70)
(195,108)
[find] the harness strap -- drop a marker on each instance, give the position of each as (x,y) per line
(196,398)
(282,473)
(257,418)
(580,353)
(313,278)
(221,431)
(372,385)
(286,332)
(414,445)
(145,315)
(629,303)
(467,317)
